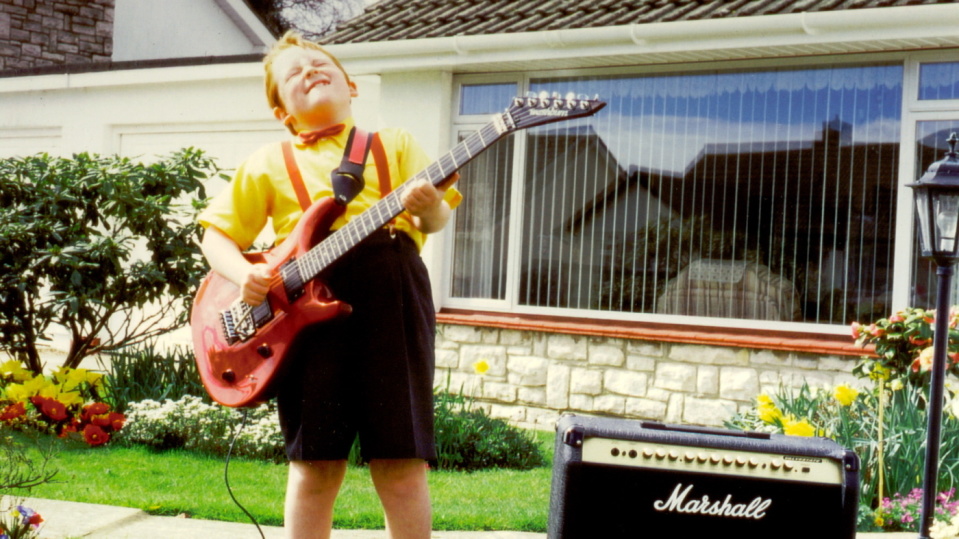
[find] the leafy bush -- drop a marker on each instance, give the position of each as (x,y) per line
(189,423)
(468,439)
(105,247)
(146,373)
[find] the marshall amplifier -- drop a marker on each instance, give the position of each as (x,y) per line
(617,478)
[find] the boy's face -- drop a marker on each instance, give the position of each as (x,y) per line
(314,92)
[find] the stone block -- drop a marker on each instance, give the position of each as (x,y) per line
(447,359)
(608,355)
(558,382)
(586,382)
(771,358)
(675,408)
(462,334)
(515,338)
(709,355)
(738,383)
(836,364)
(708,412)
(531,395)
(646,409)
(631,384)
(640,363)
(494,356)
(500,392)
(567,347)
(527,371)
(707,381)
(609,404)
(4,26)
(675,376)
(581,402)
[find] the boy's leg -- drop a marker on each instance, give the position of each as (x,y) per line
(311,489)
(403,490)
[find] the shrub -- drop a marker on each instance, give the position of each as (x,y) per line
(468,439)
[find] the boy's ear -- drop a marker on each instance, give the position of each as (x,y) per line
(282,116)
(353,91)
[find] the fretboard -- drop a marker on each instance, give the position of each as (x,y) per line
(359,228)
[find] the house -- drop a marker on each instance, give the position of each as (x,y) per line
(772,136)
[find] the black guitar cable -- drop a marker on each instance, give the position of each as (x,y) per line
(226,473)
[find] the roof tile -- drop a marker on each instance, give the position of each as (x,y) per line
(392,20)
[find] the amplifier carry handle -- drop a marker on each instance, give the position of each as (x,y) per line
(656,425)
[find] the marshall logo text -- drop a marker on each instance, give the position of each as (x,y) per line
(677,503)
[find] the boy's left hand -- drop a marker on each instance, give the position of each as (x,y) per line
(421,197)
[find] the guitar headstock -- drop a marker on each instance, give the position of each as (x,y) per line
(543,108)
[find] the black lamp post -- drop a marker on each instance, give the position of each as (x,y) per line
(937,203)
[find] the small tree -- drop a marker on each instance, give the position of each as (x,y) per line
(103,246)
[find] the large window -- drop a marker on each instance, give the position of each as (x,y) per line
(763,195)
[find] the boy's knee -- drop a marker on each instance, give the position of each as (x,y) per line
(399,477)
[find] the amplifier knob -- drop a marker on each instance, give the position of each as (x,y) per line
(740,462)
(673,455)
(689,457)
(788,467)
(660,454)
(753,463)
(715,459)
(728,461)
(776,464)
(647,453)
(702,457)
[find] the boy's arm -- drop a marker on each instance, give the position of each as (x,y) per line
(225,258)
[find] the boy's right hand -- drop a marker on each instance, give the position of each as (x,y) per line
(255,285)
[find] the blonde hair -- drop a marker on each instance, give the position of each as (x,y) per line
(289,40)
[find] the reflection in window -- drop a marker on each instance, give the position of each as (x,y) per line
(760,195)
(486,98)
(939,81)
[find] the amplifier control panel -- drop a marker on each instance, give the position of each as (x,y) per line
(714,461)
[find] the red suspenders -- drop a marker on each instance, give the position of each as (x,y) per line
(355,155)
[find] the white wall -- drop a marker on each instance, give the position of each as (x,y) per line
(151,29)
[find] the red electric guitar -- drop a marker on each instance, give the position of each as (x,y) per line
(240,349)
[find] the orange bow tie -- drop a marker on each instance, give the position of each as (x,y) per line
(310,137)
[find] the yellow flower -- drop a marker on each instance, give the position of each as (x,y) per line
(764,399)
(481,366)
(896,385)
(34,385)
(67,398)
(798,428)
(767,410)
(845,394)
(71,378)
(879,372)
(16,393)
(14,369)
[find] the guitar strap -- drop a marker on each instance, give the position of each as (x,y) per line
(359,144)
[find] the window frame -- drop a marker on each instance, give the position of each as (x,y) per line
(487,312)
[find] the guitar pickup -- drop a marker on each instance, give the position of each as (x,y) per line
(292,280)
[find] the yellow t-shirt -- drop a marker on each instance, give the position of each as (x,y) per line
(261,187)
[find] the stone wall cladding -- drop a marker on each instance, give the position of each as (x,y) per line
(36,33)
(535,377)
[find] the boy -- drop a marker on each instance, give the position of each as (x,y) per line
(368,374)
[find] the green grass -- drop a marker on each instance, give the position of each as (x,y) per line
(174,482)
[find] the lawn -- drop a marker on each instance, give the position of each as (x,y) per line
(174,482)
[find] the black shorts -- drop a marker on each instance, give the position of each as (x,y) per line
(370,373)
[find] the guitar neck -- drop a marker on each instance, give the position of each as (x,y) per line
(377,216)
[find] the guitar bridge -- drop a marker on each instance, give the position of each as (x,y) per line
(241,321)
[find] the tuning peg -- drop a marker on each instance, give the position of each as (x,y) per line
(570,100)
(531,99)
(544,99)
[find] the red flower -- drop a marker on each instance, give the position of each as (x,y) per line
(97,408)
(117,420)
(94,435)
(855,330)
(13,411)
(51,408)
(896,318)
(102,421)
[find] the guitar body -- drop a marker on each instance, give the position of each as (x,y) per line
(244,373)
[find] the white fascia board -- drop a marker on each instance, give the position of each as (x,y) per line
(248,23)
(133,77)
(861,30)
